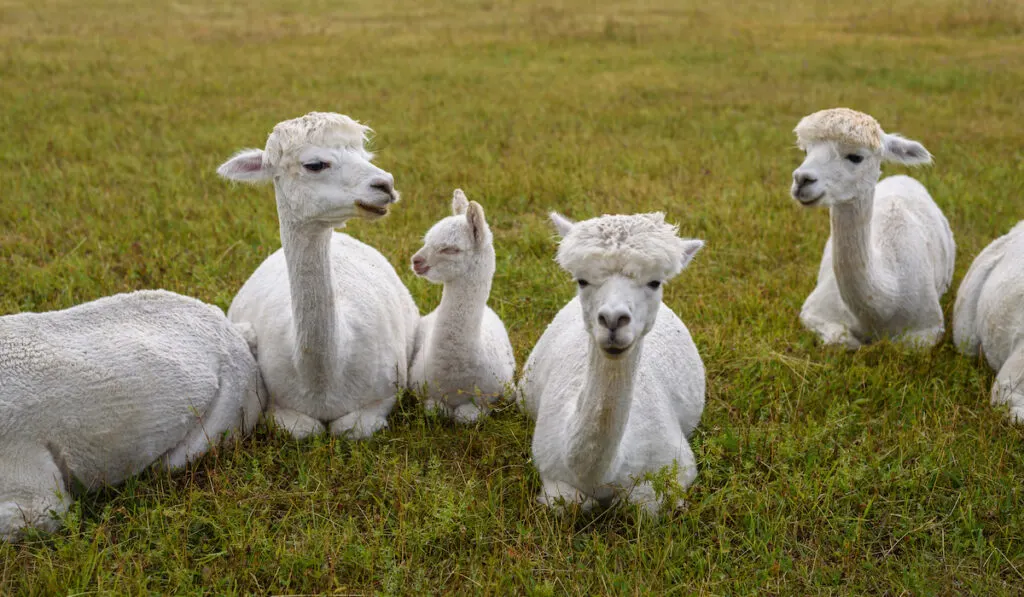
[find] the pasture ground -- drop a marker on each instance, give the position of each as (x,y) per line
(881,472)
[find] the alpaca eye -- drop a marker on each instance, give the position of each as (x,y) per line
(654,284)
(583,283)
(855,158)
(316,166)
(450,251)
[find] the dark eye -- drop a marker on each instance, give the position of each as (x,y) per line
(654,284)
(316,166)
(583,283)
(450,251)
(855,158)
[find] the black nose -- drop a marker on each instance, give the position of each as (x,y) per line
(803,179)
(613,321)
(383,185)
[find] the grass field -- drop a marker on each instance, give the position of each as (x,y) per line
(880,472)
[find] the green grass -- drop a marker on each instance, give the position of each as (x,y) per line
(821,472)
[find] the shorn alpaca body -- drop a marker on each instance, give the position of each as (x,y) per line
(890,256)
(989,316)
(464,357)
(100,391)
(336,324)
(615,383)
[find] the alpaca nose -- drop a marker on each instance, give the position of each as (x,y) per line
(613,319)
(419,264)
(384,184)
(803,179)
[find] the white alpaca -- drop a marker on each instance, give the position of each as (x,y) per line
(336,325)
(989,315)
(890,255)
(100,391)
(615,382)
(464,356)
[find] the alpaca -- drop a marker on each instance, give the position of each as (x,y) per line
(336,325)
(890,255)
(464,356)
(100,391)
(615,383)
(989,316)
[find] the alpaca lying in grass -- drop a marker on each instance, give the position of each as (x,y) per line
(100,391)
(615,383)
(336,324)
(464,356)
(890,256)
(989,316)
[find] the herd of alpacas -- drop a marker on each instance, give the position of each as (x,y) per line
(324,335)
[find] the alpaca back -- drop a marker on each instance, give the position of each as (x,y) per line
(989,309)
(907,219)
(112,385)
(374,309)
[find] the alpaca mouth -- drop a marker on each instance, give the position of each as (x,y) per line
(378,211)
(812,202)
(421,270)
(615,351)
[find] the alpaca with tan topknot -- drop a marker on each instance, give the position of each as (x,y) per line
(615,383)
(336,325)
(890,256)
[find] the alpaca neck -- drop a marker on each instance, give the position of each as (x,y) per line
(460,314)
(307,252)
(864,281)
(602,409)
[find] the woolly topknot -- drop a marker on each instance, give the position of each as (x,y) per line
(839,124)
(640,246)
(327,129)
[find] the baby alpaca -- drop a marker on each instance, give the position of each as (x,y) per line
(336,324)
(464,356)
(989,316)
(890,255)
(615,382)
(100,391)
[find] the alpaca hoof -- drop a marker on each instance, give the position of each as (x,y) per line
(922,339)
(467,414)
(836,335)
(358,425)
(298,425)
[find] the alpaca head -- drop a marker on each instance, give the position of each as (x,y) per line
(458,246)
(321,169)
(845,150)
(620,264)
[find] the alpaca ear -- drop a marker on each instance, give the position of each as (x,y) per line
(246,166)
(904,151)
(562,224)
(459,202)
(477,223)
(690,248)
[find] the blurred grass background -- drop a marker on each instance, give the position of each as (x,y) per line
(879,472)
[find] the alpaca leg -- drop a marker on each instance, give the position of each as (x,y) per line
(922,339)
(558,494)
(435,407)
(643,495)
(362,424)
(467,413)
(830,333)
(1008,388)
(32,492)
(300,426)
